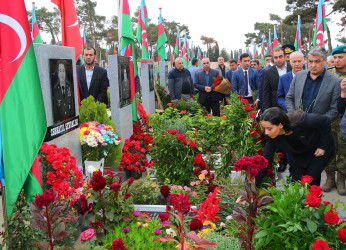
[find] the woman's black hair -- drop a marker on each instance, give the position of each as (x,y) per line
(276,116)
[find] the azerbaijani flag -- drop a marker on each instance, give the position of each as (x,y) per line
(188,50)
(199,56)
(142,29)
(185,56)
(263,48)
(298,40)
(126,40)
(115,49)
(320,24)
(275,42)
(192,52)
(69,26)
(177,44)
(270,47)
(94,45)
(22,114)
(161,40)
(84,40)
(254,52)
(36,36)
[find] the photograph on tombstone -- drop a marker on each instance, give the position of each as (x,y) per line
(124,81)
(62,89)
(151,77)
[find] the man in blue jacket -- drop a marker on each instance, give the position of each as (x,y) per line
(244,79)
(297,63)
(204,81)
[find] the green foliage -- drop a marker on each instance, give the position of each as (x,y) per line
(138,237)
(224,243)
(290,223)
(163,94)
(144,191)
(191,106)
(91,111)
(20,233)
(174,160)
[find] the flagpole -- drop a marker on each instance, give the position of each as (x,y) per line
(119,5)
(4,210)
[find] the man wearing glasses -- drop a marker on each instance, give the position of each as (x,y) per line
(315,90)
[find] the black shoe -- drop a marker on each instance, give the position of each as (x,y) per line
(282,167)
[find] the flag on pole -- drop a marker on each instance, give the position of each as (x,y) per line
(69,26)
(270,47)
(84,40)
(298,40)
(161,40)
(275,42)
(94,45)
(320,24)
(36,36)
(22,114)
(199,56)
(127,39)
(192,52)
(185,56)
(177,44)
(255,52)
(153,58)
(115,49)
(142,29)
(263,48)
(188,50)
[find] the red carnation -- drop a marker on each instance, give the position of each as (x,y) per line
(98,181)
(130,181)
(316,190)
(240,97)
(244,102)
(165,191)
(172,131)
(211,188)
(253,115)
(118,244)
(248,108)
(320,245)
(313,200)
(195,224)
(127,195)
(260,151)
(180,202)
(253,133)
(331,218)
(180,137)
(163,217)
(342,234)
(306,179)
(192,144)
(196,171)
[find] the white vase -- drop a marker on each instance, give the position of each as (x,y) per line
(89,165)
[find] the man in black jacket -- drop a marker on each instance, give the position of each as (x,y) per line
(92,79)
(271,79)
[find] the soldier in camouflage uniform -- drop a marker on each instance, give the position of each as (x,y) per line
(63,99)
(338,161)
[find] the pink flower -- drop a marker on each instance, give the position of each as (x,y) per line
(180,187)
(174,187)
(136,214)
(151,130)
(87,234)
(165,222)
(194,193)
(219,147)
(157,231)
(192,183)
(222,224)
(205,172)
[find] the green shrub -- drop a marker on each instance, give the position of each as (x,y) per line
(96,111)
(224,243)
(144,191)
(138,237)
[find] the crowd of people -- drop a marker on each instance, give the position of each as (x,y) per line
(302,101)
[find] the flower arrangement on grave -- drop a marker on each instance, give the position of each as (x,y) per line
(59,170)
(163,94)
(301,219)
(97,140)
(221,85)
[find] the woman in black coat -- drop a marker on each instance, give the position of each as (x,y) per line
(305,136)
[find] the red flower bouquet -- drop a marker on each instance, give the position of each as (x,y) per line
(221,85)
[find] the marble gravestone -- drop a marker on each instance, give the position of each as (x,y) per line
(120,94)
(148,87)
(57,72)
(164,74)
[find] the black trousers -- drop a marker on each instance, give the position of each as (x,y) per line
(212,105)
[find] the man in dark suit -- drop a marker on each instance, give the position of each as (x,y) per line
(204,81)
(260,80)
(271,79)
(92,79)
(244,79)
(297,63)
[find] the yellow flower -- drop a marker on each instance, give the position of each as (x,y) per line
(153,186)
(201,177)
(89,194)
(205,231)
(209,223)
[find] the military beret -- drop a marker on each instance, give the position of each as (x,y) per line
(288,48)
(339,50)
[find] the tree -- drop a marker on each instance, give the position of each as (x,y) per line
(224,54)
(48,21)
(92,23)
(209,41)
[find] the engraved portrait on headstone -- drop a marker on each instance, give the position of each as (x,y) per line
(166,74)
(151,78)
(124,81)
(62,89)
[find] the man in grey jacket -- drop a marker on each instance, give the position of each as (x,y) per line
(315,90)
(180,83)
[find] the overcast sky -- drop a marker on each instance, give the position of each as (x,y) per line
(225,20)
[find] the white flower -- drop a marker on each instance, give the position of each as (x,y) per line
(90,169)
(229,217)
(222,224)
(172,232)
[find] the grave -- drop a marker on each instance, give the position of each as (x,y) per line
(57,70)
(148,86)
(164,74)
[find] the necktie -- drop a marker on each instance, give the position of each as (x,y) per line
(246,84)
(63,91)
